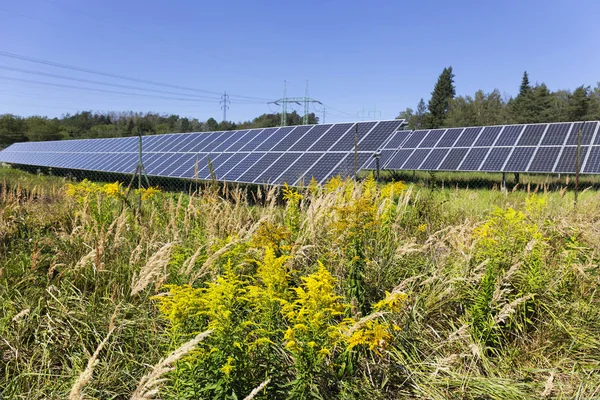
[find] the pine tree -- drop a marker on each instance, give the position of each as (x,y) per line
(579,104)
(443,92)
(525,86)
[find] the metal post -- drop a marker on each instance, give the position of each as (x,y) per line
(356,152)
(503,181)
(377,155)
(578,165)
(139,161)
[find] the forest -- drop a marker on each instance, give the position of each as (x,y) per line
(89,124)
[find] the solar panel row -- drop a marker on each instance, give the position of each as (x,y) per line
(508,148)
(293,155)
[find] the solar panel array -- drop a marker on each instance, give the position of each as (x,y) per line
(549,148)
(292,155)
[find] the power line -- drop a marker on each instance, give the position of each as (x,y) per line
(117,76)
(102,90)
(28,71)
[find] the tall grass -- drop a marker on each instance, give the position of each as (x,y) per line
(436,292)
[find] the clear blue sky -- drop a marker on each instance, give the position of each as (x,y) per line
(383,55)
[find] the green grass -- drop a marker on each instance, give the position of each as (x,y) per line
(500,304)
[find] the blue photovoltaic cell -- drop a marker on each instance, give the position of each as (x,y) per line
(231,162)
(568,159)
(310,138)
(198,161)
(292,138)
(330,137)
(495,159)
(226,144)
(322,168)
(347,166)
(247,138)
(209,144)
(398,159)
(432,138)
(488,136)
(587,131)
(275,138)
(592,165)
(468,137)
(415,138)
(449,137)
(434,159)
(171,144)
(221,140)
(473,159)
(271,173)
(298,168)
(158,165)
(453,159)
(259,139)
(346,142)
(556,134)
(182,165)
(544,159)
(201,142)
(519,159)
(379,135)
(127,164)
(532,135)
(416,158)
(171,164)
(242,167)
(509,136)
(397,139)
(259,167)
(185,143)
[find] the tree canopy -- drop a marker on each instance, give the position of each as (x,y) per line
(533,104)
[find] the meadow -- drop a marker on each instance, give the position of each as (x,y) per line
(353,290)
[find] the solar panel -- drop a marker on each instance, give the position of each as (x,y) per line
(473,159)
(488,136)
(449,137)
(544,159)
(312,136)
(519,159)
(296,154)
(330,137)
(495,159)
(453,159)
(592,165)
(416,158)
(434,159)
(357,133)
(297,170)
(259,167)
(509,135)
(432,138)
(532,135)
(556,134)
(567,161)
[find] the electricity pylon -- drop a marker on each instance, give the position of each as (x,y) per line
(298,100)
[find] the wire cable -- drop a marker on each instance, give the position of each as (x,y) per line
(28,71)
(117,76)
(102,90)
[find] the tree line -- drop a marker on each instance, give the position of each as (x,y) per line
(534,103)
(88,124)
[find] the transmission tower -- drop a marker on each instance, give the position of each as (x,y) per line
(225,104)
(298,100)
(368,114)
